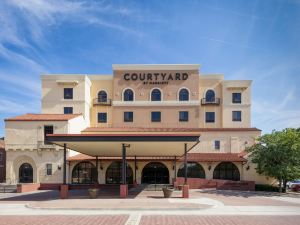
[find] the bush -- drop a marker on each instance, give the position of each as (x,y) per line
(268,188)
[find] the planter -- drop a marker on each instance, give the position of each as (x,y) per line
(93,192)
(167,192)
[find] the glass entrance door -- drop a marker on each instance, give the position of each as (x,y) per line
(155,173)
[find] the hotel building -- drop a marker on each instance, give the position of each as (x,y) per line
(150,114)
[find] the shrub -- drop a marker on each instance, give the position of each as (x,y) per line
(266,187)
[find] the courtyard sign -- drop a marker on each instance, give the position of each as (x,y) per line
(155,78)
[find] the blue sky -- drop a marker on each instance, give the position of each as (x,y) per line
(257,40)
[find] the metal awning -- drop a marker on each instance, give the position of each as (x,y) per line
(140,144)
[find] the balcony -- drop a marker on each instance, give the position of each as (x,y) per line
(99,101)
(214,101)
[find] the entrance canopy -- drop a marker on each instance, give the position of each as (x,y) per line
(140,144)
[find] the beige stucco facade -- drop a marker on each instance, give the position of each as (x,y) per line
(25,139)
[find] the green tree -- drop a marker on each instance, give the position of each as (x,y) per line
(277,155)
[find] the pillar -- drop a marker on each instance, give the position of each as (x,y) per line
(123,186)
(97,167)
(64,188)
(135,168)
(185,188)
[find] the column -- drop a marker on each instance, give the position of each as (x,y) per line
(123,186)
(64,188)
(135,168)
(185,188)
(97,167)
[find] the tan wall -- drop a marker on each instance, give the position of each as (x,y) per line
(38,161)
(230,142)
(245,175)
(243,87)
(98,85)
(142,116)
(53,95)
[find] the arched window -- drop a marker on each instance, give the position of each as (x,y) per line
(184,95)
(114,173)
(155,173)
(210,96)
(84,173)
(128,95)
(25,173)
(156,95)
(102,96)
(227,171)
(194,170)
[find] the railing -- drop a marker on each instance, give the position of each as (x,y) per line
(99,101)
(214,101)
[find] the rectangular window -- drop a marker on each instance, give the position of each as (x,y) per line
(217,145)
(236,116)
(128,116)
(183,116)
(47,130)
(210,117)
(68,93)
(236,98)
(68,110)
(155,116)
(49,169)
(102,117)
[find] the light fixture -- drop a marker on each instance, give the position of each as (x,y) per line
(209,166)
(59,167)
(248,167)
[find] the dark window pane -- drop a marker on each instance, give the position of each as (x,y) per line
(194,170)
(49,169)
(68,110)
(236,97)
(217,145)
(128,95)
(68,93)
(102,117)
(114,173)
(210,96)
(210,117)
(155,116)
(226,171)
(183,116)
(102,96)
(156,95)
(47,130)
(84,173)
(128,116)
(236,116)
(183,95)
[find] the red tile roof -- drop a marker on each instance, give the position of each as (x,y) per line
(199,157)
(144,129)
(43,117)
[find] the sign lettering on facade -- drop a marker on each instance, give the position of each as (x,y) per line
(155,78)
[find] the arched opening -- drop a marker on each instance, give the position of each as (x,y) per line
(102,96)
(155,173)
(25,173)
(155,95)
(114,173)
(194,170)
(210,96)
(184,95)
(227,171)
(128,95)
(84,173)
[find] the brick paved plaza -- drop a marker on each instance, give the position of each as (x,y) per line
(148,207)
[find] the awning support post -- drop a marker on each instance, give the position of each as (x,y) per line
(185,189)
(185,163)
(64,188)
(175,175)
(97,166)
(123,186)
(65,164)
(135,167)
